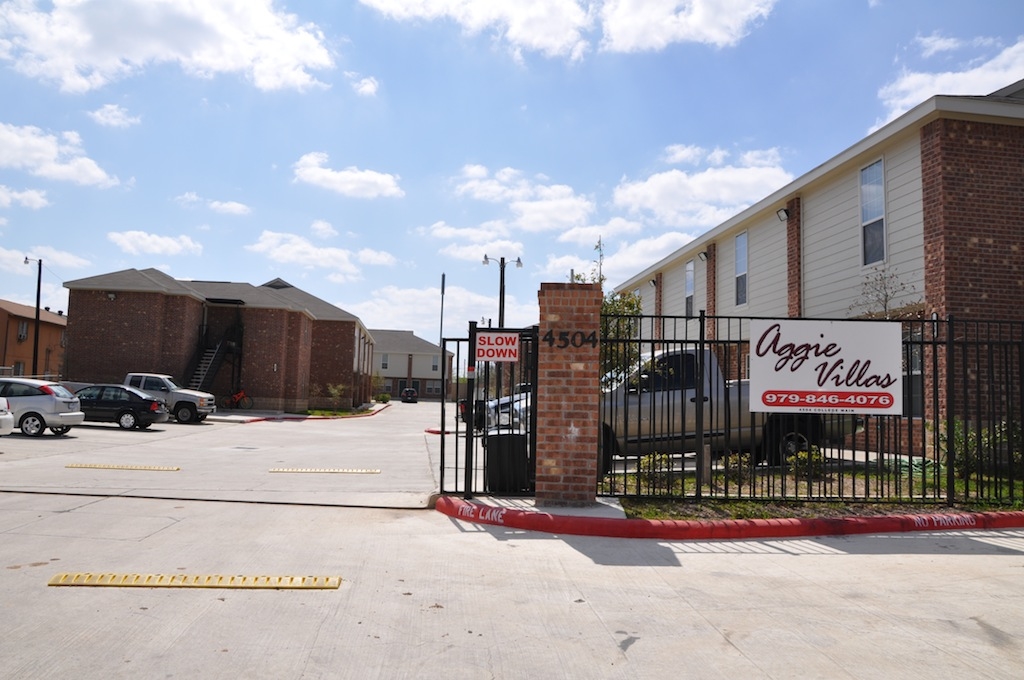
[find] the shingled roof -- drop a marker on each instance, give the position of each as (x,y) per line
(276,294)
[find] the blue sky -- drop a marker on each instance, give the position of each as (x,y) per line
(360,150)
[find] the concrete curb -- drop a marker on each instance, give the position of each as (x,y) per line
(476,513)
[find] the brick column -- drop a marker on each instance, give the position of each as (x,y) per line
(568,393)
(794,261)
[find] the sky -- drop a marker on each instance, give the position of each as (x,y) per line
(362,150)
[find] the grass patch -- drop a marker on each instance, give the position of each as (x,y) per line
(662,509)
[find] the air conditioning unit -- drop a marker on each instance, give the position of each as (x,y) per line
(22,337)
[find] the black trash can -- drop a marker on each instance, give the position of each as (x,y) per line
(508,463)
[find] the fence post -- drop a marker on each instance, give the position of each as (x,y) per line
(568,393)
(950,414)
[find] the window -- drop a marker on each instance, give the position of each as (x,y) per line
(384,361)
(22,330)
(434,364)
(741,269)
(872,213)
(689,288)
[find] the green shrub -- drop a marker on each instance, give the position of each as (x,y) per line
(382,398)
(736,468)
(807,464)
(654,471)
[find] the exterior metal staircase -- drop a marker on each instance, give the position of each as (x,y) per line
(207,366)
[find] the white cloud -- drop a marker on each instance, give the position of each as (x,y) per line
(534,206)
(912,88)
(705,198)
(323,229)
(140,242)
(86,45)
(935,43)
(551,27)
(377,257)
(554,207)
(364,87)
(417,309)
(683,153)
(349,182)
(648,25)
(29,198)
(296,250)
(590,234)
(474,252)
(112,115)
(51,157)
(187,199)
(229,207)
(58,258)
(634,257)
(481,234)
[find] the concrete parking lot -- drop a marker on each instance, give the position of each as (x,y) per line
(422,594)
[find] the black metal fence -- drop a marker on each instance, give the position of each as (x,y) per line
(670,432)
(676,423)
(491,449)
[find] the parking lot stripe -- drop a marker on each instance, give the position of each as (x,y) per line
(333,471)
(157,468)
(196,581)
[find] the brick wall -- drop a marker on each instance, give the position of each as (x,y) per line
(108,338)
(275,364)
(333,358)
(567,399)
(973,196)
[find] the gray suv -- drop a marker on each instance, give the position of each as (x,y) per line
(40,404)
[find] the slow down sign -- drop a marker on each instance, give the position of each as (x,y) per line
(497,346)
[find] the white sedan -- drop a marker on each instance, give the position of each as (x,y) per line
(6,418)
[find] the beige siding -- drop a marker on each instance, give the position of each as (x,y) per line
(767,262)
(833,274)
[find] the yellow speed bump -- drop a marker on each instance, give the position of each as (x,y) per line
(332,471)
(97,466)
(196,581)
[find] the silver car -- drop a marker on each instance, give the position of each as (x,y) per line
(40,404)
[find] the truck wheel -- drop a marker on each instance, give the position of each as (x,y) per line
(127,420)
(784,437)
(185,413)
(32,424)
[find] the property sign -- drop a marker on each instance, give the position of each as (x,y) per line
(497,346)
(807,366)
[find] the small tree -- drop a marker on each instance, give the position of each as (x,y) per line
(620,318)
(883,294)
(337,394)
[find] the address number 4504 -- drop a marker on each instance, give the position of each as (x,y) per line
(564,339)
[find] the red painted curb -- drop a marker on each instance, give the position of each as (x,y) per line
(721,529)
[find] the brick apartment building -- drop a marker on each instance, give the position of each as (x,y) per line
(281,344)
(18,342)
(932,202)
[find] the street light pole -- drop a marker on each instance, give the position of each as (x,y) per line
(35,340)
(501,300)
(501,286)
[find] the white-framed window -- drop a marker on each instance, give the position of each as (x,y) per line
(741,269)
(384,361)
(872,213)
(689,287)
(22,330)
(434,363)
